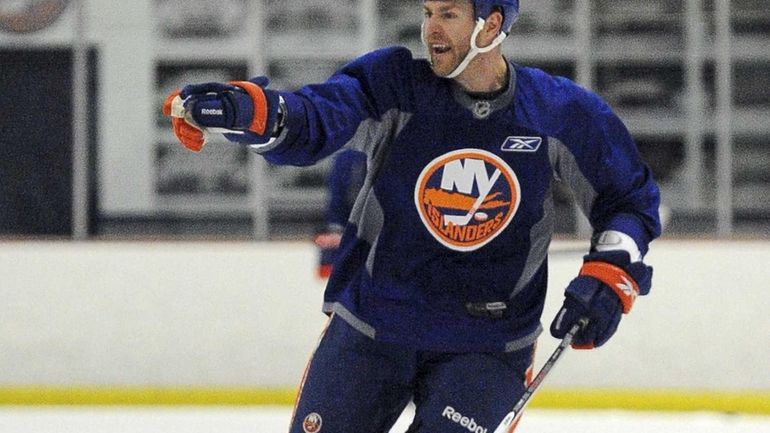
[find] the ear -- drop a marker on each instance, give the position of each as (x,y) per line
(492,26)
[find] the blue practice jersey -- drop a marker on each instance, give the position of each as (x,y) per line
(456,210)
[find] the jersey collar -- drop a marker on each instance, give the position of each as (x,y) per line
(483,108)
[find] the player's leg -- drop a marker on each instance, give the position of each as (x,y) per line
(458,393)
(353,384)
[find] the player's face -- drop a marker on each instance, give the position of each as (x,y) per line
(447,28)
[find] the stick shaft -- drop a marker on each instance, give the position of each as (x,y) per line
(518,408)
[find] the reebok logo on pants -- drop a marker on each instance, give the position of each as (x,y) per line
(456,417)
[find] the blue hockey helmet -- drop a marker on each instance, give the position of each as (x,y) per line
(509,8)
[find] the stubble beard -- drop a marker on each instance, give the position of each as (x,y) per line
(444,69)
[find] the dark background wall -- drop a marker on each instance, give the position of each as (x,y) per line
(36,141)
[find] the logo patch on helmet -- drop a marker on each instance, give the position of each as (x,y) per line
(466,198)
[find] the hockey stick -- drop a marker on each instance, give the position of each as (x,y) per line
(517,410)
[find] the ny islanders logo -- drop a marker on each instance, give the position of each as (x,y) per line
(312,423)
(466,198)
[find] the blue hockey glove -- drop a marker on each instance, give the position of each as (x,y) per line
(244,111)
(606,288)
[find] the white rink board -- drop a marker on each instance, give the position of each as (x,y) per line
(248,314)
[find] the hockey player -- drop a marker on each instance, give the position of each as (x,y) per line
(346,178)
(438,293)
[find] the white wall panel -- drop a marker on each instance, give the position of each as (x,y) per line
(219,313)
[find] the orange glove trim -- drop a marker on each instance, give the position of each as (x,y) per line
(259,121)
(169,99)
(191,137)
(324,271)
(616,278)
(327,240)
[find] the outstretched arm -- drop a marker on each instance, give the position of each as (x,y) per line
(297,128)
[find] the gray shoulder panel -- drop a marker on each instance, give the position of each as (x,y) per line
(566,168)
(540,239)
(373,137)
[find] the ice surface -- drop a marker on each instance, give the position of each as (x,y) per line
(275,420)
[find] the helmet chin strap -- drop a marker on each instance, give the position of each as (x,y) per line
(475,49)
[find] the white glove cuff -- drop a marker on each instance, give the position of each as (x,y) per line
(613,240)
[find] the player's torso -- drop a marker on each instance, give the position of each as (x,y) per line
(462,198)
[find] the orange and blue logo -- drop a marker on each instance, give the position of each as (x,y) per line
(466,198)
(312,423)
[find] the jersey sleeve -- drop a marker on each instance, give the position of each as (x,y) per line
(594,153)
(627,197)
(322,118)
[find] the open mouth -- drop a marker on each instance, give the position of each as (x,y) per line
(437,49)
